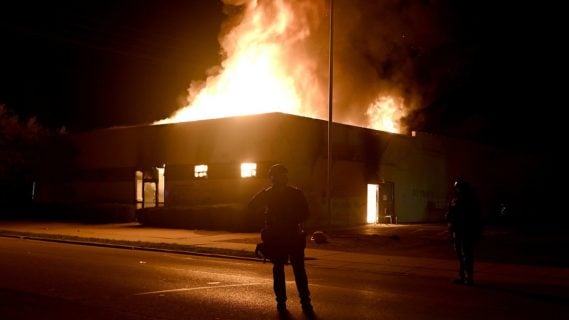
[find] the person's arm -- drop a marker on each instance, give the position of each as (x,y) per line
(303,208)
(450,214)
(257,207)
(257,202)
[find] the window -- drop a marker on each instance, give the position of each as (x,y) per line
(200,171)
(248,170)
(149,194)
(138,179)
(161,182)
(33,190)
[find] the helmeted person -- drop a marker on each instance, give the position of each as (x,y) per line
(286,209)
(463,218)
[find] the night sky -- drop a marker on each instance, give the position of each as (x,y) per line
(91,64)
(485,72)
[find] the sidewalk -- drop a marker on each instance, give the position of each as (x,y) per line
(406,250)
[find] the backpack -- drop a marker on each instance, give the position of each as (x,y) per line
(272,245)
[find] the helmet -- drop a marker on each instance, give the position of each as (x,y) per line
(277,169)
(456,183)
(319,237)
(460,184)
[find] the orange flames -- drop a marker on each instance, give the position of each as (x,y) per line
(385,114)
(268,68)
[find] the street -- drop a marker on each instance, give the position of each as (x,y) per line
(48,280)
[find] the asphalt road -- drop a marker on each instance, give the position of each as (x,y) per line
(45,280)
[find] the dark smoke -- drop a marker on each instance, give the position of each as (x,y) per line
(404,48)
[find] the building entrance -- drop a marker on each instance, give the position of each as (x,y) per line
(149,187)
(381,203)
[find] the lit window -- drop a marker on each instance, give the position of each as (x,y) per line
(200,171)
(33,190)
(138,179)
(161,184)
(248,170)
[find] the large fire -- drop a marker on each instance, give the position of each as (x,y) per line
(268,68)
(385,114)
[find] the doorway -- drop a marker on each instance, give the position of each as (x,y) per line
(381,203)
(386,204)
(149,185)
(372,203)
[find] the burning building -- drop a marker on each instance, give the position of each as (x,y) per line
(376,176)
(265,104)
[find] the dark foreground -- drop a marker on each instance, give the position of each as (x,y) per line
(46,280)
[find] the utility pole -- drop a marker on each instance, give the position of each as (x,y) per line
(330,96)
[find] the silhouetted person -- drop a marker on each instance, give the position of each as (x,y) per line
(286,208)
(463,220)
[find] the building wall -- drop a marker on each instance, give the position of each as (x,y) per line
(421,168)
(119,192)
(418,171)
(110,148)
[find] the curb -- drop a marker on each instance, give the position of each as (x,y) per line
(120,244)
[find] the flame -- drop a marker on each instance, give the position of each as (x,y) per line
(386,113)
(268,68)
(259,75)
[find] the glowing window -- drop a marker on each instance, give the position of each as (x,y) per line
(33,190)
(161,184)
(138,180)
(248,170)
(200,171)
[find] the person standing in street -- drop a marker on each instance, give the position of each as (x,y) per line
(286,209)
(463,218)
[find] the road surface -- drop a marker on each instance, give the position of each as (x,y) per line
(46,280)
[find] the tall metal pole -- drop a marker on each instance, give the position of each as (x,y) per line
(330,95)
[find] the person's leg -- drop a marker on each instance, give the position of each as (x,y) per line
(468,253)
(279,285)
(301,279)
(458,243)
